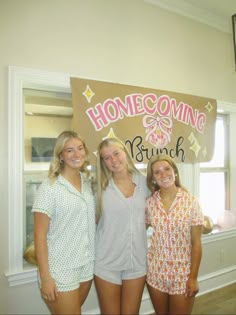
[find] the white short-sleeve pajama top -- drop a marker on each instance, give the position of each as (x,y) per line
(71,233)
(121,240)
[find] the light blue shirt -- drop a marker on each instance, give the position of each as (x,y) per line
(121,241)
(71,233)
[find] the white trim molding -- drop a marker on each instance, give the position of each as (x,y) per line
(226,107)
(18,79)
(217,280)
(222,235)
(194,12)
(19,278)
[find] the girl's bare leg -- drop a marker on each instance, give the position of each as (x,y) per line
(131,295)
(108,296)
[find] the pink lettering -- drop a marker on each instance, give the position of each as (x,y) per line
(191,118)
(125,108)
(163,105)
(201,120)
(177,111)
(149,98)
(137,104)
(109,106)
(98,119)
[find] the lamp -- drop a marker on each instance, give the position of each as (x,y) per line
(234,36)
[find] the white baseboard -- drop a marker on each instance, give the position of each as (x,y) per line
(217,280)
(94,311)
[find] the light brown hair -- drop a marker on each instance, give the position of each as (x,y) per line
(56,166)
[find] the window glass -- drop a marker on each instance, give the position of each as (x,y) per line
(219,150)
(46,115)
(214,182)
(32,182)
(212,194)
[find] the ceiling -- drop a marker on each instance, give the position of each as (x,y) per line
(216,13)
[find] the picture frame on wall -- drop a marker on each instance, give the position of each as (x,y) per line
(234,37)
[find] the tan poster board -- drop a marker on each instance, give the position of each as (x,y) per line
(148,121)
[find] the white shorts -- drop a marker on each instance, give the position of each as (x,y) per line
(116,277)
(68,280)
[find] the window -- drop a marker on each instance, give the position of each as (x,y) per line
(19,171)
(46,114)
(214,175)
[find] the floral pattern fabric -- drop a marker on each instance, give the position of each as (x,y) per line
(169,253)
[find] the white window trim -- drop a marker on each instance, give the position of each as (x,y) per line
(19,78)
(230,109)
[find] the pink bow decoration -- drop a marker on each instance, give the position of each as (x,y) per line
(162,124)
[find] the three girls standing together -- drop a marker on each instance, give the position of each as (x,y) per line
(72,249)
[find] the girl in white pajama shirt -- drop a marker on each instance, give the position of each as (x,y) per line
(64,228)
(121,242)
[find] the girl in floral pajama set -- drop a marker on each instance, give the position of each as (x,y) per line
(174,254)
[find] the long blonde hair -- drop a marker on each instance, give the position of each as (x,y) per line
(56,166)
(150,183)
(104,174)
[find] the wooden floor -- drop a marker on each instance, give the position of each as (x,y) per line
(221,302)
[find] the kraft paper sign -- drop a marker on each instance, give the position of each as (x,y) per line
(148,121)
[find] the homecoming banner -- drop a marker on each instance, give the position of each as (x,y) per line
(148,121)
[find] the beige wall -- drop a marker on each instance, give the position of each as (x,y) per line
(123,41)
